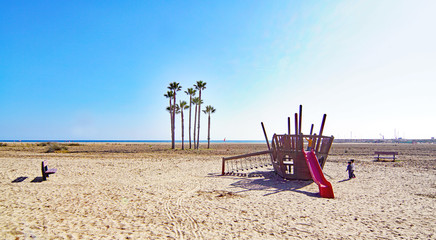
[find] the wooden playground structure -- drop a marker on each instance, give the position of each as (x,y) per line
(286,153)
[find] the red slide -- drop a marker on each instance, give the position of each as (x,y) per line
(325,187)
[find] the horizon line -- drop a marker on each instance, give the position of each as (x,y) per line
(179,141)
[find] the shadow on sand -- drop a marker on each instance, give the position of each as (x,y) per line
(19,179)
(37,180)
(344,180)
(271,182)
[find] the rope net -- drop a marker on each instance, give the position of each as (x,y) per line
(246,163)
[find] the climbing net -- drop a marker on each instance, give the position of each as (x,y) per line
(246,162)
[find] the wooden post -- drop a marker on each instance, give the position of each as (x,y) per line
(314,141)
(322,124)
(266,137)
(296,123)
(320,132)
(223,168)
(299,122)
(44,177)
(313,138)
(289,126)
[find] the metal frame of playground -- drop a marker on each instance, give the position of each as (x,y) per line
(288,156)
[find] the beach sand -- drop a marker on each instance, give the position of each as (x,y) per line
(147,191)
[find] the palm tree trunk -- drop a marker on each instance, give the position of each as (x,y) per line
(172,126)
(183,134)
(199,111)
(173,142)
(208,132)
(190,104)
(172,122)
(195,124)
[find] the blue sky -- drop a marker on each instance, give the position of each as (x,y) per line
(99,69)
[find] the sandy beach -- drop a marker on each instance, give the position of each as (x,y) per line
(147,191)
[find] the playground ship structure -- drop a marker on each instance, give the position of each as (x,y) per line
(295,156)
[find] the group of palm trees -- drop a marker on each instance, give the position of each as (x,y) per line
(178,108)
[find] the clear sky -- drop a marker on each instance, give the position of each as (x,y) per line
(99,69)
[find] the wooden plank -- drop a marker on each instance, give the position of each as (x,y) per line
(387,153)
(50,171)
(287,142)
(326,144)
(247,155)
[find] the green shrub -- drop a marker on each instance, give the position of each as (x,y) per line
(3,144)
(73,144)
(54,147)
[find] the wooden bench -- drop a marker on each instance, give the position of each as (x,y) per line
(385,155)
(45,171)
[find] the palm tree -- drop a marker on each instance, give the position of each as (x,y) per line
(169,95)
(183,105)
(200,85)
(176,109)
(191,92)
(174,87)
(208,111)
(195,102)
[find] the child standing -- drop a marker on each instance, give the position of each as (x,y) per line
(349,170)
(352,168)
(309,143)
